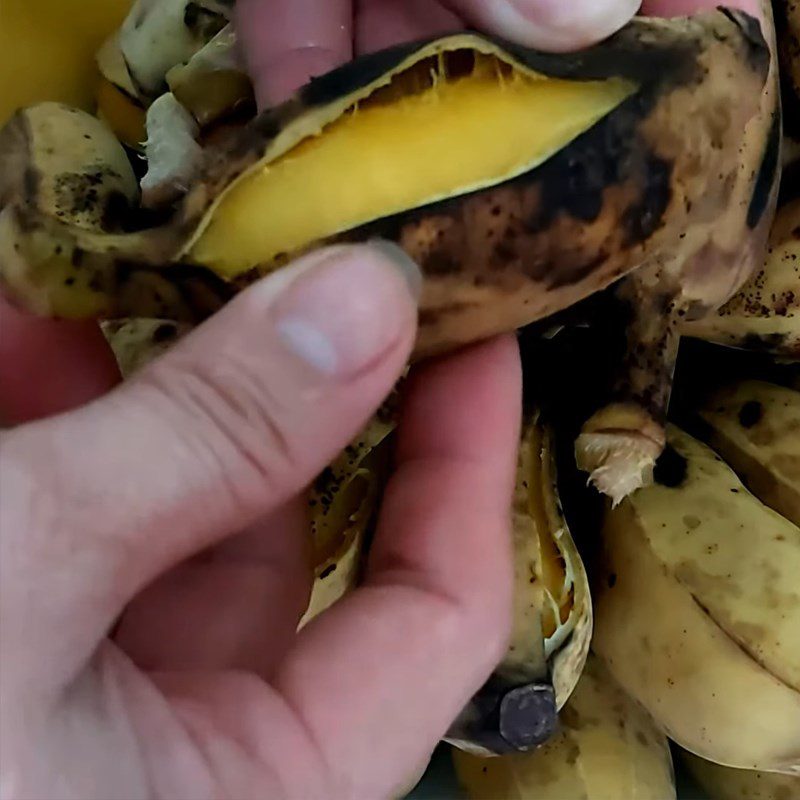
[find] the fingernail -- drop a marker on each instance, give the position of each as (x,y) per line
(350,308)
(559,25)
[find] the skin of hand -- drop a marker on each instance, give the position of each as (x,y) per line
(153,556)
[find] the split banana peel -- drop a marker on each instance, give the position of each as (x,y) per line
(608,748)
(552,618)
(637,151)
(697,612)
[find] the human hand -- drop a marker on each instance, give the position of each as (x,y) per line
(166,513)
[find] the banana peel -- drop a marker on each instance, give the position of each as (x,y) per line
(608,748)
(764,315)
(755,427)
(648,157)
(724,783)
(697,613)
(552,617)
(619,445)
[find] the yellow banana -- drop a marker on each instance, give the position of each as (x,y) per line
(725,783)
(552,622)
(608,748)
(698,613)
(755,427)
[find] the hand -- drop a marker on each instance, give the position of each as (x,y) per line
(152,561)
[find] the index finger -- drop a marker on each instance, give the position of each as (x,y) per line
(287,42)
(380,677)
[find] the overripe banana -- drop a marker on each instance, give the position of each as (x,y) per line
(726,783)
(552,622)
(755,427)
(137,342)
(608,748)
(765,314)
(697,612)
(634,133)
(619,444)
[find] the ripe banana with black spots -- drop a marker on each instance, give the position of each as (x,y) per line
(725,783)
(552,622)
(755,427)
(608,748)
(697,612)
(765,313)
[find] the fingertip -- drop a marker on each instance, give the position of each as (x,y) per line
(551,25)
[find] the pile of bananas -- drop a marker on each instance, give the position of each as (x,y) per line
(663,607)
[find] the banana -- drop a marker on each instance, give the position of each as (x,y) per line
(552,621)
(214,83)
(136,342)
(608,748)
(755,427)
(618,446)
(77,171)
(157,35)
(765,314)
(724,783)
(47,50)
(342,504)
(698,612)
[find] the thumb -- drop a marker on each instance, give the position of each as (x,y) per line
(551,25)
(239,417)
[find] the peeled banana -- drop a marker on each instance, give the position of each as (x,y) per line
(608,748)
(698,611)
(755,427)
(552,624)
(725,783)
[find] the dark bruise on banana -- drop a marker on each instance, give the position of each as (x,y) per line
(650,152)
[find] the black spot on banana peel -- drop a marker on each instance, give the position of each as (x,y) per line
(718,252)
(607,157)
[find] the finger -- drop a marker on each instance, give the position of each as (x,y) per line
(551,25)
(677,8)
(235,607)
(382,23)
(229,425)
(47,366)
(286,42)
(380,677)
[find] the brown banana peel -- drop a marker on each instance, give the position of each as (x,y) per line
(720,250)
(665,104)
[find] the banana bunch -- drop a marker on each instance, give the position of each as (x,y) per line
(697,608)
(608,748)
(725,783)
(552,622)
